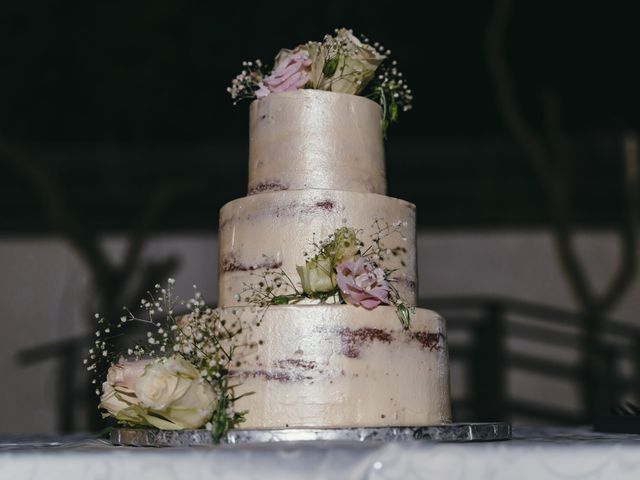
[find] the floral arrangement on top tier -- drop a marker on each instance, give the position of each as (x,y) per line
(177,375)
(340,63)
(338,270)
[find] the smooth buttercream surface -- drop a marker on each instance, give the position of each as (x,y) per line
(315,139)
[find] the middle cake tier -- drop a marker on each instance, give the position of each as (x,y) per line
(272,231)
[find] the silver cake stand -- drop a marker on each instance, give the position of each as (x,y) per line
(452,432)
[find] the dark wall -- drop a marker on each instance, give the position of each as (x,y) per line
(117,97)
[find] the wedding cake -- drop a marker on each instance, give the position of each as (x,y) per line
(316,165)
(316,324)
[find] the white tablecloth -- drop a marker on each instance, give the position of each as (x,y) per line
(532,454)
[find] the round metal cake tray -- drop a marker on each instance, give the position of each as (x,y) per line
(452,432)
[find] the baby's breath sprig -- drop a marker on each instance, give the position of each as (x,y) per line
(210,339)
(245,84)
(391,91)
(271,287)
(383,230)
(207,338)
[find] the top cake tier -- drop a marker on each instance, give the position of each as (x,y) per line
(315,139)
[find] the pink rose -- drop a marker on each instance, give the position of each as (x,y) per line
(362,283)
(124,374)
(290,73)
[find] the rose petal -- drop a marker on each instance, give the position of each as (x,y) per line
(262,91)
(370,303)
(360,283)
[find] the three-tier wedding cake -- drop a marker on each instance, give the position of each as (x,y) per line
(316,165)
(317,324)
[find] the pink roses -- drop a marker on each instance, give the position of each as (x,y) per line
(362,283)
(290,73)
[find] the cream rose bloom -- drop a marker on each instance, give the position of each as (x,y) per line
(124,374)
(173,390)
(167,394)
(317,276)
(342,63)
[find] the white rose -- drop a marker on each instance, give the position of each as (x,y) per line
(167,394)
(157,387)
(174,394)
(120,405)
(110,401)
(317,275)
(125,373)
(348,71)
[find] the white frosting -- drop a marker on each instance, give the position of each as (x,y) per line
(275,229)
(315,139)
(343,366)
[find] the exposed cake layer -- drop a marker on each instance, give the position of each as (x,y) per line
(315,139)
(342,366)
(273,231)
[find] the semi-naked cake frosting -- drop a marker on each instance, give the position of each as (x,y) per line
(316,163)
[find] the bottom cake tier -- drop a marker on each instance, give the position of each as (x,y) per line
(339,366)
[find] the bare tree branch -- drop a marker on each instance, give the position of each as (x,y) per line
(550,159)
(629,235)
(537,151)
(515,121)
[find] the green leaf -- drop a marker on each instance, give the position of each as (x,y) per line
(330,67)
(404,315)
(384,124)
(393,111)
(280,300)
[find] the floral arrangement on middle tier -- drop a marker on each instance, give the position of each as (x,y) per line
(338,269)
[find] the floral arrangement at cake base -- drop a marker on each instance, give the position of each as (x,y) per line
(176,374)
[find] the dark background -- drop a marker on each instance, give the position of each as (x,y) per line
(120,98)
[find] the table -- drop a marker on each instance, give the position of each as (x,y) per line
(534,453)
